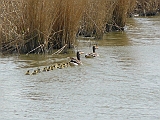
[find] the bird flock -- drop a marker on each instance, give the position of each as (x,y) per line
(72,62)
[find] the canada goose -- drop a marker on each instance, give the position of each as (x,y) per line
(38,70)
(49,68)
(55,65)
(52,67)
(34,72)
(27,73)
(94,54)
(61,66)
(44,69)
(76,61)
(65,64)
(58,65)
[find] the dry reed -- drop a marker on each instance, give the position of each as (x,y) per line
(147,7)
(68,16)
(28,24)
(132,7)
(105,15)
(120,14)
(33,26)
(95,17)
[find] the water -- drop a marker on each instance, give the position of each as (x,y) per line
(122,83)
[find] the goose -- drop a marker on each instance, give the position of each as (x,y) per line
(34,72)
(61,66)
(66,64)
(55,66)
(58,65)
(44,69)
(27,73)
(94,54)
(76,61)
(52,67)
(38,70)
(49,68)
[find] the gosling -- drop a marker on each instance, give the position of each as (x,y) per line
(27,73)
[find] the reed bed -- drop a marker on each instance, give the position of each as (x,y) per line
(147,7)
(120,14)
(26,24)
(95,17)
(131,8)
(37,26)
(105,15)
(66,25)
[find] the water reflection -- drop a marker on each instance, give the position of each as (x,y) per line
(115,39)
(125,58)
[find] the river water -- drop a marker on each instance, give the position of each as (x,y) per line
(122,83)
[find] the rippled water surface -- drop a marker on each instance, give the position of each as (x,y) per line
(122,83)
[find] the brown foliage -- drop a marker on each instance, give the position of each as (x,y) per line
(147,7)
(95,17)
(28,24)
(42,25)
(120,12)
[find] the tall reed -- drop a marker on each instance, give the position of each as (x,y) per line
(132,7)
(147,7)
(65,27)
(120,13)
(43,24)
(95,17)
(105,15)
(26,24)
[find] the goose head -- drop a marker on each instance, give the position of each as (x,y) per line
(27,73)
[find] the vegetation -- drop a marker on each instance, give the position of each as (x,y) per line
(39,26)
(120,14)
(147,7)
(95,17)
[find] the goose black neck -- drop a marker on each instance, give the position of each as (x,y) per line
(94,49)
(78,56)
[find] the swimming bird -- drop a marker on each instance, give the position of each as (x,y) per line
(44,69)
(76,61)
(61,66)
(94,54)
(52,67)
(38,70)
(55,65)
(34,72)
(27,73)
(65,64)
(58,65)
(49,68)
